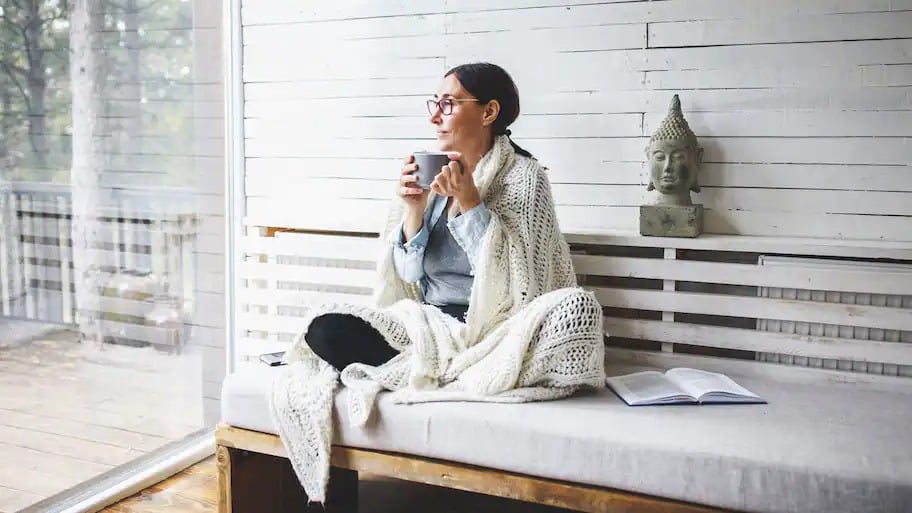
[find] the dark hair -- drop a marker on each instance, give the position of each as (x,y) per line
(487,82)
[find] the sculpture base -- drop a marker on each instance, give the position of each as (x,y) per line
(671,221)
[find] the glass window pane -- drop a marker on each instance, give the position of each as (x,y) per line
(112,327)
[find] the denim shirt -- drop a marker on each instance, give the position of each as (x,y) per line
(467,229)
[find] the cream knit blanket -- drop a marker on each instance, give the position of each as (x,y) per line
(530,333)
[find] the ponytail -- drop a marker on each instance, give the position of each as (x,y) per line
(517,148)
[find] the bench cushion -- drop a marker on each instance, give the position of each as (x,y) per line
(822,446)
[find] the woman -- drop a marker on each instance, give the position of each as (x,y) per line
(440,237)
(497,315)
(475,104)
(438,241)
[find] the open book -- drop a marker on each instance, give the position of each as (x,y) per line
(680,386)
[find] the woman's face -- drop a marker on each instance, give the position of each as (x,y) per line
(466,126)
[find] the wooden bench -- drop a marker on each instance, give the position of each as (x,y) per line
(248,483)
(785,310)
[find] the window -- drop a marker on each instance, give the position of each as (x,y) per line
(112,330)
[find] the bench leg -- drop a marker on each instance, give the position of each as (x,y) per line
(251,482)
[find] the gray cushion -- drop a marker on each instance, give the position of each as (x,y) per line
(828,447)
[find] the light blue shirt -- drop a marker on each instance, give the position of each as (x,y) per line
(411,261)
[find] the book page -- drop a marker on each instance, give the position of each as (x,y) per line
(647,388)
(700,383)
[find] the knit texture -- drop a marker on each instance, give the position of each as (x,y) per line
(530,333)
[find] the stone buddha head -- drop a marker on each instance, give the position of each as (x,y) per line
(674,159)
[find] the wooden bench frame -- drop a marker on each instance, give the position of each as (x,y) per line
(255,476)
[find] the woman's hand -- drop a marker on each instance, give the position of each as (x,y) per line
(414,196)
(454,181)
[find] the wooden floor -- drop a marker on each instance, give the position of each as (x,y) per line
(195,491)
(69,411)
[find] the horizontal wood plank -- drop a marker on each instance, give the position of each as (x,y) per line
(715,198)
(794,29)
(292,170)
(329,88)
(414,124)
(335,276)
(284,65)
(290,325)
(13,500)
(89,452)
(838,177)
(764,341)
(321,188)
(346,215)
(598,69)
(589,151)
(847,53)
(473,16)
(888,281)
(594,218)
(787,75)
(34,482)
(785,373)
(424,41)
(790,123)
(409,101)
(65,467)
(479,15)
(504,484)
(403,25)
(314,245)
(756,307)
(811,246)
(299,298)
(253,12)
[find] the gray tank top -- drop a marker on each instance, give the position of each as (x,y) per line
(446,268)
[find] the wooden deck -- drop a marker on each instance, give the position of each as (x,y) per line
(69,411)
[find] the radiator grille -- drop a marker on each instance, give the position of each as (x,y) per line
(833,330)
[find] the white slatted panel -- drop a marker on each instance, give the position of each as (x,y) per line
(803,107)
(716,299)
(282,276)
(139,252)
(890,298)
(666,295)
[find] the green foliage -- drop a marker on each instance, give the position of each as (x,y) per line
(147,57)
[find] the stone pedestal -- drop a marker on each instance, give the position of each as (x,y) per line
(671,221)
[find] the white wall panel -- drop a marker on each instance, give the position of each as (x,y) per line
(802,106)
(839,27)
(471,15)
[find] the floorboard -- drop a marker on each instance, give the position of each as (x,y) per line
(70,410)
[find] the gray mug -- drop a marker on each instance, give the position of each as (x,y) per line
(429,164)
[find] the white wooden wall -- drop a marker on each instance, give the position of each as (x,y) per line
(802,106)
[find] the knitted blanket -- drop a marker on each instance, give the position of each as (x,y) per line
(530,333)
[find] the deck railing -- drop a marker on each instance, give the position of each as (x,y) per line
(142,258)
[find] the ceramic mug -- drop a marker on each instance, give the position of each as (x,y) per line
(429,164)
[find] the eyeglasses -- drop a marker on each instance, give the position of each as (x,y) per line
(445,105)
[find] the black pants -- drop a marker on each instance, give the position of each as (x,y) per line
(341,339)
